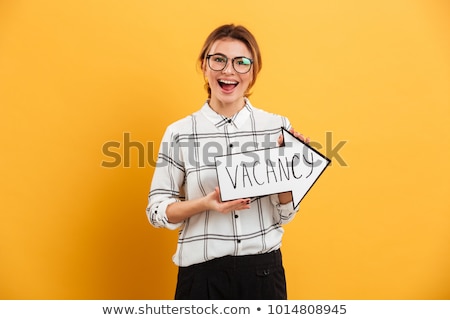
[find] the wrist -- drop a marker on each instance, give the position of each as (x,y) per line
(285,197)
(204,203)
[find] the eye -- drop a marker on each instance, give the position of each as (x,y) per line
(219,59)
(243,61)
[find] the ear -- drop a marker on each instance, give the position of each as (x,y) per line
(203,66)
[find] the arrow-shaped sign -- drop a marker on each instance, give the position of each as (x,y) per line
(295,167)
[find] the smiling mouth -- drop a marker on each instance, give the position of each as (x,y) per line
(227,85)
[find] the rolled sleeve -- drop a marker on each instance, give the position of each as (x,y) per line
(167,182)
(156,213)
(285,211)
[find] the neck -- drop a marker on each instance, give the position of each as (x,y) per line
(227,109)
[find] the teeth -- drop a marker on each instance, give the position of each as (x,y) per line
(228,81)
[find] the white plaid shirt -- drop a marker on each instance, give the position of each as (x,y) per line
(186,170)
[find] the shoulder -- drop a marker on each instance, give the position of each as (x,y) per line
(183,126)
(267,116)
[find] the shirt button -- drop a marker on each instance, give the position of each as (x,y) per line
(236,216)
(231,145)
(229,120)
(239,241)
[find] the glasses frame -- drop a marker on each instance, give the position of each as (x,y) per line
(226,62)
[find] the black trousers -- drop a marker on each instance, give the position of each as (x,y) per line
(249,277)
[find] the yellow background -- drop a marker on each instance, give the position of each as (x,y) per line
(77,74)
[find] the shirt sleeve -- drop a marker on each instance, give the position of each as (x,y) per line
(167,182)
(285,212)
(286,123)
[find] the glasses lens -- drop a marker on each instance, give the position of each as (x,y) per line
(217,62)
(242,64)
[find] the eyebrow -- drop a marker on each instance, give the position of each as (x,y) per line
(223,54)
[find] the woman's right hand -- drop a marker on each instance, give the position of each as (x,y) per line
(178,211)
(214,203)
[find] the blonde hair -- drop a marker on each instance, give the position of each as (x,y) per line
(240,33)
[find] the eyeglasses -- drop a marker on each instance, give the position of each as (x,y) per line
(218,62)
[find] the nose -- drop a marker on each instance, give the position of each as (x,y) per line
(228,67)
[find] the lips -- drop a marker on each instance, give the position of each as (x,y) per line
(227,85)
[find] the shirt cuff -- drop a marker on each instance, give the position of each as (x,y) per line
(160,212)
(285,210)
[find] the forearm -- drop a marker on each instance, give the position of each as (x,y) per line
(181,210)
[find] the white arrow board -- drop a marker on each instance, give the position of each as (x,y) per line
(294,167)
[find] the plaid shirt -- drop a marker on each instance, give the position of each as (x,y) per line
(186,170)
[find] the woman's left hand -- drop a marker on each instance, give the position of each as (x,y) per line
(296,134)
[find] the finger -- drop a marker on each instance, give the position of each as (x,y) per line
(280,140)
(227,207)
(304,139)
(245,205)
(217,194)
(243,208)
(301,137)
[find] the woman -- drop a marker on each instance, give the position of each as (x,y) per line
(226,250)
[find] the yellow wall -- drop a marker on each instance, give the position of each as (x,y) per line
(75,75)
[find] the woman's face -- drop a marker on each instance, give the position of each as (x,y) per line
(228,87)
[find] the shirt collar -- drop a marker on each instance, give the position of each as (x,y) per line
(236,120)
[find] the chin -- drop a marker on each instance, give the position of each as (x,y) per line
(231,100)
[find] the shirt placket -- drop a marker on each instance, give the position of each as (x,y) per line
(233,147)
